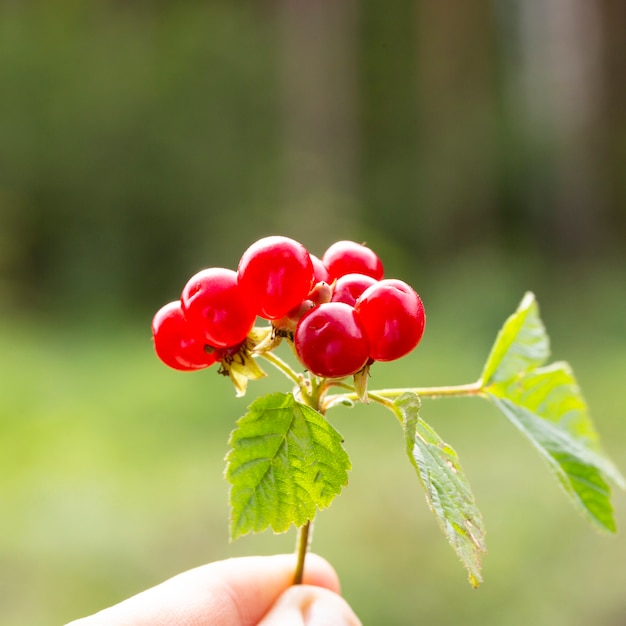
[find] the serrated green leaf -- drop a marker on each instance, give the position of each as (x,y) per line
(552,393)
(286,462)
(547,406)
(447,489)
(521,344)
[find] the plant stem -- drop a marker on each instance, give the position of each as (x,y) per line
(283,367)
(302,547)
(313,399)
(383,396)
(450,391)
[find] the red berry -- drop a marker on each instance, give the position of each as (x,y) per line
(350,286)
(215,305)
(393,317)
(175,342)
(349,257)
(320,273)
(330,341)
(276,274)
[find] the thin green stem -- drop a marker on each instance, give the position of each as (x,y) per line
(313,397)
(316,390)
(385,396)
(450,391)
(302,547)
(285,368)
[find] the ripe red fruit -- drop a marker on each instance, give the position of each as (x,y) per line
(320,273)
(331,342)
(350,286)
(393,317)
(276,274)
(175,342)
(349,257)
(217,308)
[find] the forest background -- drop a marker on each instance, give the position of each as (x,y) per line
(479,148)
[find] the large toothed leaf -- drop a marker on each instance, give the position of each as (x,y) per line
(447,489)
(545,403)
(547,406)
(286,462)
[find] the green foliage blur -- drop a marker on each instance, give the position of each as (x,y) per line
(480,151)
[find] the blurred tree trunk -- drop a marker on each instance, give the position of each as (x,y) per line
(318,59)
(563,89)
(614,27)
(388,159)
(457,83)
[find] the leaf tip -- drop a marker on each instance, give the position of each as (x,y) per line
(528,300)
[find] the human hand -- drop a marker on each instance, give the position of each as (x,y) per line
(246,591)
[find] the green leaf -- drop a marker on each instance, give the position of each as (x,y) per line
(546,404)
(286,461)
(521,344)
(447,490)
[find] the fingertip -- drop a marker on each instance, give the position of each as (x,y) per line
(306,605)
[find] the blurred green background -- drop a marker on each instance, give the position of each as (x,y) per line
(478,147)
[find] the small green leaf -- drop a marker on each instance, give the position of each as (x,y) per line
(286,461)
(521,344)
(447,490)
(547,406)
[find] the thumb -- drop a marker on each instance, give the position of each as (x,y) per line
(306,605)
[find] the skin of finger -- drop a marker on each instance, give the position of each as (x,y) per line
(234,592)
(304,605)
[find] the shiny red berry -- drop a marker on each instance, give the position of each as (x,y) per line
(393,317)
(276,274)
(349,257)
(217,308)
(320,273)
(331,342)
(175,342)
(350,286)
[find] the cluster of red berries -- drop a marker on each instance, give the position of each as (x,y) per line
(339,311)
